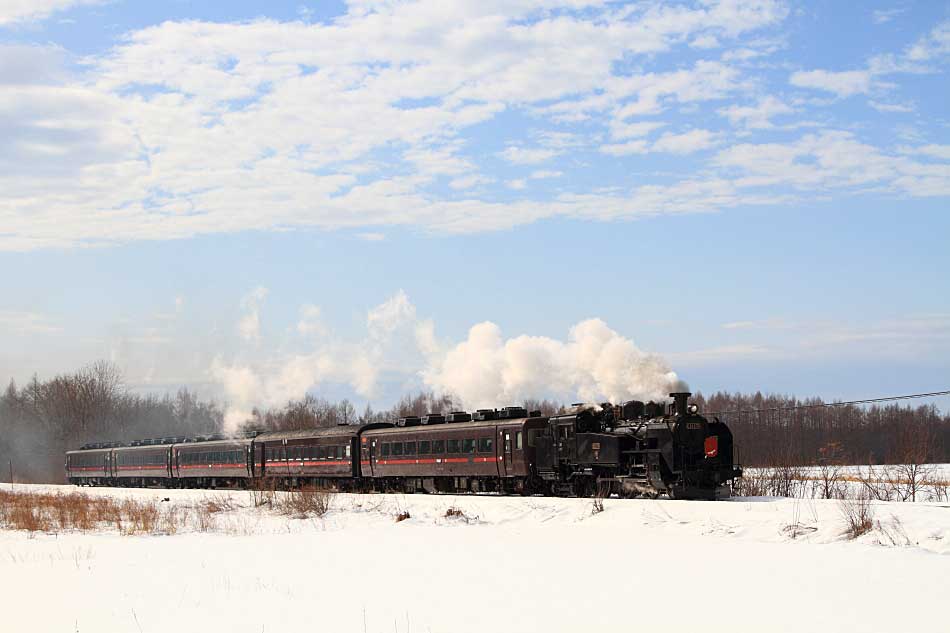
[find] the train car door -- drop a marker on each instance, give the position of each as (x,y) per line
(366,457)
(507,457)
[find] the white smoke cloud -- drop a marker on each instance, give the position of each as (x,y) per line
(595,364)
(249,327)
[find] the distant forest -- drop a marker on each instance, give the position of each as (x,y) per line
(42,419)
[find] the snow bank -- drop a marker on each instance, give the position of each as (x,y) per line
(508,564)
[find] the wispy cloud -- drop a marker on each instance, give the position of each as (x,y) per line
(24,322)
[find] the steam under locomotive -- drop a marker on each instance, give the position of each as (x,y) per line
(632,449)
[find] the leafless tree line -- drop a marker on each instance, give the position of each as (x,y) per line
(42,419)
(770,432)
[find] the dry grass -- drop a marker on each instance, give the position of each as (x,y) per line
(304,503)
(456,513)
(63,512)
(402,516)
(858,515)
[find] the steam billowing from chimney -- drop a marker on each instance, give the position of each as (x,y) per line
(594,365)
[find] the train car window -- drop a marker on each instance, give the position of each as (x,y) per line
(424,447)
(438,447)
(385,451)
(410,448)
(454,446)
(518,440)
(484,445)
(533,437)
(347,451)
(468,446)
(334,452)
(397,448)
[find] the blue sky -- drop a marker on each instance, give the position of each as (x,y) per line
(259,200)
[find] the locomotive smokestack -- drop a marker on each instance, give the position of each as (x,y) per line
(679,402)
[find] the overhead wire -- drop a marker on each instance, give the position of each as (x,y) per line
(930,394)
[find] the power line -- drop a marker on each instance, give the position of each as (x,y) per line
(835,404)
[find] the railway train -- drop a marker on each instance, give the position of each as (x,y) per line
(632,449)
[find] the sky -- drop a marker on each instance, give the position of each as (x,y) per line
(502,200)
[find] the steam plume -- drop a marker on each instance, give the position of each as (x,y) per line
(595,364)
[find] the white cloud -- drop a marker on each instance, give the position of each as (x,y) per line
(832,160)
(890,107)
(472,180)
(686,143)
(941,152)
(705,41)
(527,156)
(517,183)
(883,16)
(934,45)
(371,236)
(843,84)
(190,128)
(625,149)
(756,116)
(12,11)
(545,173)
(621,130)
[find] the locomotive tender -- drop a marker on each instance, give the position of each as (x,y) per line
(632,449)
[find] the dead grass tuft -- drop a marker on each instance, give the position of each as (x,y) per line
(305,502)
(402,516)
(858,515)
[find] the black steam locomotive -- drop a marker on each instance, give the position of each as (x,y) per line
(632,449)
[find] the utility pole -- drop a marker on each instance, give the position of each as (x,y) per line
(10,462)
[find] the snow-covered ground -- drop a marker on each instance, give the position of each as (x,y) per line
(514,564)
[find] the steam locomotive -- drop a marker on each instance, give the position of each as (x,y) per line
(632,449)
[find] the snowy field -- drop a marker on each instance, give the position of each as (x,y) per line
(510,564)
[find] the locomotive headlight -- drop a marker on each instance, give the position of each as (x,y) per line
(693,408)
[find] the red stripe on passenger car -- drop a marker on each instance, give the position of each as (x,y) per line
(443,460)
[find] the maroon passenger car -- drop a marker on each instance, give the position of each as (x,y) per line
(89,467)
(141,465)
(439,455)
(313,456)
(210,464)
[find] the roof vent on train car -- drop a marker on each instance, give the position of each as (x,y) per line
(653,410)
(632,409)
(534,414)
(409,420)
(485,414)
(433,418)
(458,416)
(512,412)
